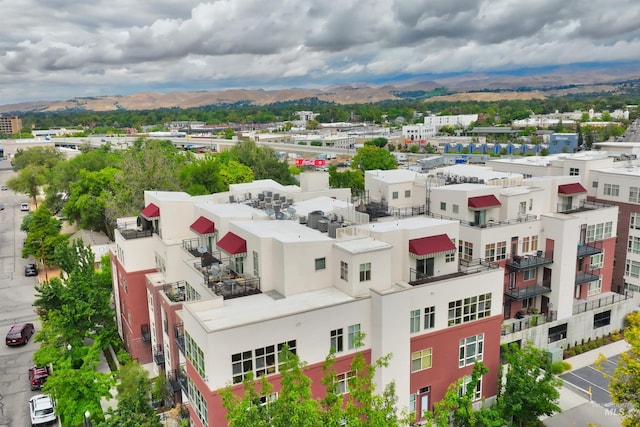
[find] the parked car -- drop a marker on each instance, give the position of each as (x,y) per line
(4,188)
(38,376)
(30,270)
(1,207)
(19,334)
(24,207)
(41,410)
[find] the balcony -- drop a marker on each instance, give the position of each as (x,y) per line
(587,275)
(583,206)
(224,281)
(528,320)
(490,222)
(177,379)
(601,300)
(158,355)
(133,230)
(524,262)
(465,268)
(179,336)
(206,256)
(519,294)
(588,249)
(145,332)
(175,291)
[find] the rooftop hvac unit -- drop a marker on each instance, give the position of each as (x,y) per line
(232,199)
(283,198)
(323,225)
(333,226)
(302,219)
(276,196)
(290,201)
(269,193)
(261,196)
(313,218)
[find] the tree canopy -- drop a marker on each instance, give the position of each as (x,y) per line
(371,157)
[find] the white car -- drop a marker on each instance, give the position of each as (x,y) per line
(42,410)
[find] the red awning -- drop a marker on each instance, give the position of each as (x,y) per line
(151,212)
(575,188)
(233,244)
(480,202)
(429,246)
(203,226)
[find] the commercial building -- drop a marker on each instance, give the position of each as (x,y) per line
(10,124)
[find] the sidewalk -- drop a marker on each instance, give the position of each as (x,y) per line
(104,368)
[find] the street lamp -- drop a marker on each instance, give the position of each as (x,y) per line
(87,420)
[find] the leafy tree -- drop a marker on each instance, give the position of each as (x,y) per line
(43,236)
(353,179)
(46,157)
(88,198)
(371,157)
(233,172)
(263,162)
(29,180)
(530,390)
(229,133)
(312,125)
(378,142)
(201,176)
(458,401)
(625,380)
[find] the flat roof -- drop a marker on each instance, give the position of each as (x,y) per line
(233,210)
(283,230)
(394,176)
(481,172)
(362,245)
(325,204)
(408,223)
(629,170)
(238,312)
(169,196)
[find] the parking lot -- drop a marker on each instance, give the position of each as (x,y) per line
(592,378)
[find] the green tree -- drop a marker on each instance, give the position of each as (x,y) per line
(530,390)
(312,125)
(46,157)
(378,142)
(202,176)
(371,157)
(43,236)
(88,198)
(229,133)
(234,173)
(625,380)
(28,181)
(353,179)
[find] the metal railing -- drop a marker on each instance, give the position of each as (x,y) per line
(175,291)
(465,268)
(178,330)
(489,223)
(612,298)
(529,291)
(526,261)
(584,205)
(511,326)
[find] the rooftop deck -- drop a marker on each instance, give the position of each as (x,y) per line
(465,268)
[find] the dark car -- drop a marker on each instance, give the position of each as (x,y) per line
(19,334)
(38,376)
(30,270)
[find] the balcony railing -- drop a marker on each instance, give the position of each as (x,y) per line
(488,223)
(510,326)
(529,291)
(465,268)
(583,206)
(158,355)
(587,275)
(177,379)
(175,291)
(179,336)
(134,233)
(524,262)
(601,301)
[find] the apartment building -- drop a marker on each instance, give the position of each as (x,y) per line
(209,288)
(10,124)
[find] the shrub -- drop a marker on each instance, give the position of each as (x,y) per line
(302,142)
(316,143)
(558,368)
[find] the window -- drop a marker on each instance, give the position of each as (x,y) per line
(344,271)
(407,194)
(534,243)
(525,245)
(530,204)
(191,293)
(394,195)
(430,317)
(454,208)
(501,248)
(634,221)
(239,264)
(522,208)
(160,263)
(471,349)
(194,353)
(465,249)
(241,365)
(594,184)
(450,257)
(321,263)
(342,382)
(469,309)
(365,272)
(632,269)
(414,321)
(557,333)
(490,252)
(601,319)
(634,194)
(412,403)
(611,190)
(353,336)
(529,274)
(256,264)
(574,171)
(599,231)
(336,340)
(421,360)
(125,285)
(443,206)
(268,399)
(634,245)
(528,302)
(477,393)
(597,260)
(265,360)
(199,403)
(595,288)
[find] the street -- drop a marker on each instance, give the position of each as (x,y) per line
(16,295)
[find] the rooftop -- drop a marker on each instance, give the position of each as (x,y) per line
(481,172)
(408,223)
(394,176)
(362,245)
(283,231)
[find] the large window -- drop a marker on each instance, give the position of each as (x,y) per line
(558,333)
(421,360)
(525,244)
(320,263)
(501,248)
(465,249)
(634,244)
(529,274)
(337,340)
(634,221)
(599,231)
(194,354)
(597,261)
(477,393)
(611,190)
(430,317)
(595,288)
(471,349)
(414,321)
(574,171)
(634,194)
(353,334)
(199,403)
(344,271)
(632,269)
(365,272)
(394,195)
(601,319)
(241,365)
(261,361)
(490,252)
(256,264)
(265,360)
(342,382)
(469,309)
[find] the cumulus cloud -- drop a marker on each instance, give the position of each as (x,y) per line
(67,48)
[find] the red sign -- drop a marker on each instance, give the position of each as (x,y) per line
(311,162)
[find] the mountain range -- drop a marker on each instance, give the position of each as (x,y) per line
(526,84)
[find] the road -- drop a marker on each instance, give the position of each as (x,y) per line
(16,297)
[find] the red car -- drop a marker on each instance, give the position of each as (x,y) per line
(19,334)
(37,377)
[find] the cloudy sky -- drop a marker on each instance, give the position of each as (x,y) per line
(59,49)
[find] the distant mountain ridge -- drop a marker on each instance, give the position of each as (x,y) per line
(478,86)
